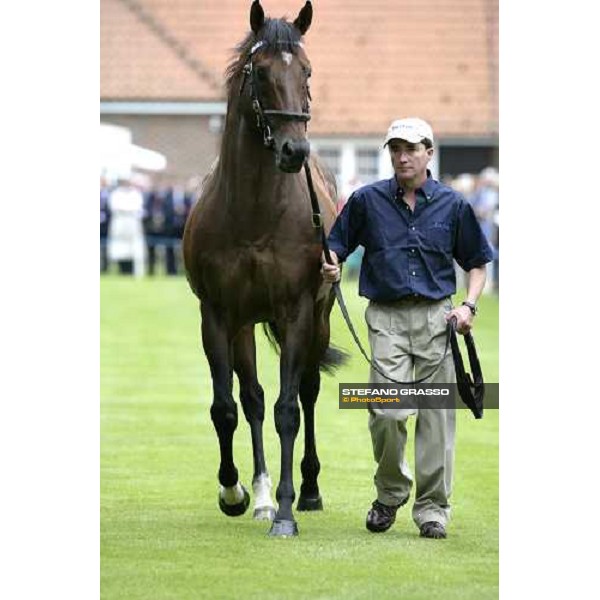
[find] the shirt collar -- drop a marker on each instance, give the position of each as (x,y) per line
(427,190)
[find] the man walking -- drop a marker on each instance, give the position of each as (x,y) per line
(412,228)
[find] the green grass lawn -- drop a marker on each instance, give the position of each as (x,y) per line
(162,534)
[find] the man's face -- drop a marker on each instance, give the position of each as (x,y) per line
(409,160)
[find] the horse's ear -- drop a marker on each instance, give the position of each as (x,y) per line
(304,18)
(257,16)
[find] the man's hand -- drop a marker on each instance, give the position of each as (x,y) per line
(464,318)
(331,273)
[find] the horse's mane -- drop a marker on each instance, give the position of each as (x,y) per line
(280,35)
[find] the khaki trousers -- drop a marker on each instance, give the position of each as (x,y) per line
(407,340)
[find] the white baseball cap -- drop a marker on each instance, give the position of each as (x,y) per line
(412,130)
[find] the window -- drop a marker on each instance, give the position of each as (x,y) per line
(467,159)
(367,164)
(332,157)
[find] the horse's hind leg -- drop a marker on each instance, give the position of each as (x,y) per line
(310,499)
(233,497)
(253,402)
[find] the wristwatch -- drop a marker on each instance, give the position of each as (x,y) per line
(471,306)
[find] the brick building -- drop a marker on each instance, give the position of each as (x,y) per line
(162,65)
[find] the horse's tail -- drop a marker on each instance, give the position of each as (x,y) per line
(270,330)
(332,358)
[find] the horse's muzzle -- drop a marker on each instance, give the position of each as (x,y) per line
(292,155)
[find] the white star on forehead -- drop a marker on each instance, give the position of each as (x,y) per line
(287,58)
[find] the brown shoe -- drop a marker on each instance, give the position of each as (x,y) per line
(434,530)
(381,517)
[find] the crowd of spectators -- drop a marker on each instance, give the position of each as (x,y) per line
(482,192)
(141,225)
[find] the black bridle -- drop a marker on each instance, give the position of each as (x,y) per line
(263,116)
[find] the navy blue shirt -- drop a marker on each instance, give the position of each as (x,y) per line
(409,253)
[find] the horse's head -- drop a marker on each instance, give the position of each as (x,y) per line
(275,85)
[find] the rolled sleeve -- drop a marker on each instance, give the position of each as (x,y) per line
(471,248)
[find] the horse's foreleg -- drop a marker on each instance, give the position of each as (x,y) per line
(253,402)
(233,497)
(295,341)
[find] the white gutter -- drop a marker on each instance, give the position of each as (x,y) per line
(163,108)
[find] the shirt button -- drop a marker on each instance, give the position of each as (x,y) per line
(413,228)
(413,273)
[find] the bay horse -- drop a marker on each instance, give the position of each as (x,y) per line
(252,255)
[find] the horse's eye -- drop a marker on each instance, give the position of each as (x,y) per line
(307,72)
(261,73)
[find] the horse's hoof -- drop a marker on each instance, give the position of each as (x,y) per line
(265,513)
(235,510)
(305,503)
(283,528)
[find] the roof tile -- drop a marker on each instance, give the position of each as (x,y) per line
(372,62)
